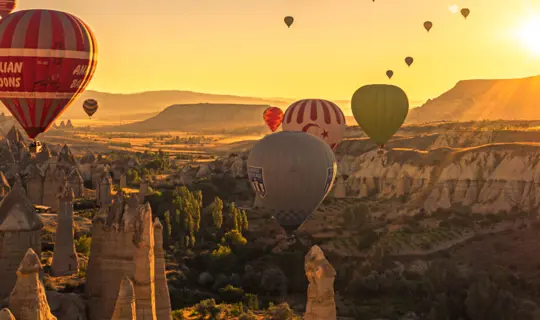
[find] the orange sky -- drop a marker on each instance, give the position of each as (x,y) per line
(242,47)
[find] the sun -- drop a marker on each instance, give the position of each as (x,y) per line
(529,34)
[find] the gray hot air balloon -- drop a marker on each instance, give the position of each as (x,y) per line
(291,173)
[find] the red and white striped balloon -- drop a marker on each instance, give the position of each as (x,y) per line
(321,118)
(7,7)
(47,58)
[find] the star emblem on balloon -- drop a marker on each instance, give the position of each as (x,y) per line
(325,134)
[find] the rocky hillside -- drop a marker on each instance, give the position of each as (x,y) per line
(477,168)
(483,99)
(200,117)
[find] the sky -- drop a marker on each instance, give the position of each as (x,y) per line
(243,47)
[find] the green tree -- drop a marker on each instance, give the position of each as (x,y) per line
(167,228)
(216,210)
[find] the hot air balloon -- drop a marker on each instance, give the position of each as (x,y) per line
(428,25)
(90,106)
(409,61)
(380,110)
(389,74)
(7,7)
(47,58)
(288,21)
(291,173)
(321,118)
(273,117)
(465,12)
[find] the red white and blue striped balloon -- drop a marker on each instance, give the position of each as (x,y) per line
(321,118)
(47,58)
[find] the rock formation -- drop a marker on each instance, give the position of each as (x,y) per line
(144,189)
(340,188)
(28,300)
(123,181)
(45,155)
(5,314)
(125,308)
(488,179)
(77,184)
(52,183)
(34,183)
(144,279)
(163,304)
(104,190)
(66,160)
(98,173)
(65,260)
(20,229)
(123,243)
(4,186)
(321,275)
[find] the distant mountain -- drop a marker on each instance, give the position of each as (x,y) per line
(468,100)
(199,117)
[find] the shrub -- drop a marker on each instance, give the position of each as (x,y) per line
(208,307)
(281,312)
(82,245)
(178,315)
(231,294)
(251,301)
(247,316)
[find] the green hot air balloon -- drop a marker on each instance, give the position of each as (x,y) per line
(380,110)
(291,173)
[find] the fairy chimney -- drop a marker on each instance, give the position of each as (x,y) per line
(77,183)
(34,184)
(123,181)
(28,299)
(163,300)
(144,278)
(125,308)
(4,186)
(65,257)
(5,314)
(103,193)
(52,183)
(20,229)
(144,189)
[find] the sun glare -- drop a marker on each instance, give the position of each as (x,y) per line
(529,35)
(453,8)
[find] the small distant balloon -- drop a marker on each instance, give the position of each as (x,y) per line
(409,61)
(465,12)
(288,21)
(428,25)
(454,8)
(273,116)
(389,74)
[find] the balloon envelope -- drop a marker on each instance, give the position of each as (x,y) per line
(90,106)
(428,25)
(47,59)
(389,74)
(288,21)
(321,118)
(465,12)
(273,117)
(291,173)
(380,110)
(409,61)
(7,7)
